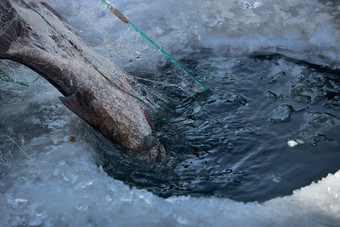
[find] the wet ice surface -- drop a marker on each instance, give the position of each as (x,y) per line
(52,163)
(234,27)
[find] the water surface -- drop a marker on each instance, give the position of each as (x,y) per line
(236,143)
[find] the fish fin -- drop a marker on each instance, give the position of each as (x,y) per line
(79,104)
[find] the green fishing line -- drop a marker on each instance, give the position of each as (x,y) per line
(125,20)
(8,78)
(36,11)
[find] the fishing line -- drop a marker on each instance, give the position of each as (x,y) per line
(124,19)
(8,78)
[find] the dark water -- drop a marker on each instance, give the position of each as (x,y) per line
(233,143)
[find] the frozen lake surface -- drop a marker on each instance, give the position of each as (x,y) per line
(263,150)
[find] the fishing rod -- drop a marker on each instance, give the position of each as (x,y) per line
(124,19)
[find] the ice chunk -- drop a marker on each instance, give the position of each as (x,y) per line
(276,178)
(282,113)
(292,143)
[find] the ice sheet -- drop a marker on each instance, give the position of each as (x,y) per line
(52,181)
(306,30)
(60,186)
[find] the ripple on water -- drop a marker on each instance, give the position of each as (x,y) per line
(237,143)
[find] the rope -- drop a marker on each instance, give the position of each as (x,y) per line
(124,19)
